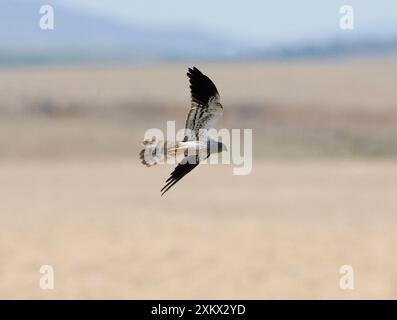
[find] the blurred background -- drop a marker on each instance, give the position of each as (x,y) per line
(76,101)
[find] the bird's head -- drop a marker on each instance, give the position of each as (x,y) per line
(221,147)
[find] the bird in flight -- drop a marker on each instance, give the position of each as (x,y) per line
(196,146)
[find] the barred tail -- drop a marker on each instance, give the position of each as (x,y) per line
(155,151)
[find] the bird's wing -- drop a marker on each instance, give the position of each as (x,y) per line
(205,107)
(182,169)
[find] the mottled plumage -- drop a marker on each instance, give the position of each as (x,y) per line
(205,110)
(205,107)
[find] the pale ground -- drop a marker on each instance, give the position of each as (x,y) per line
(74,196)
(282,232)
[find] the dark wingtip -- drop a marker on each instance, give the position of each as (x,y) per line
(190,73)
(201,87)
(193,72)
(166,187)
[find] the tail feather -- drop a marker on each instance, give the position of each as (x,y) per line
(155,151)
(152,152)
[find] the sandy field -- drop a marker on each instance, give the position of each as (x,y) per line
(282,232)
(322,193)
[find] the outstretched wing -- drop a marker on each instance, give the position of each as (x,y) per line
(182,169)
(205,106)
(204,111)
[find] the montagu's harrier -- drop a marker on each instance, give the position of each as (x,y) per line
(196,146)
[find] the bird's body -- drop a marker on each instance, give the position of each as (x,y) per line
(196,146)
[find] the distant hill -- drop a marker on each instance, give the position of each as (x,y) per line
(85,38)
(81,36)
(332,48)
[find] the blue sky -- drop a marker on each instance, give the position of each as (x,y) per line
(254,20)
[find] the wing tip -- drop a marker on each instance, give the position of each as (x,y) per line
(201,87)
(167,187)
(192,72)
